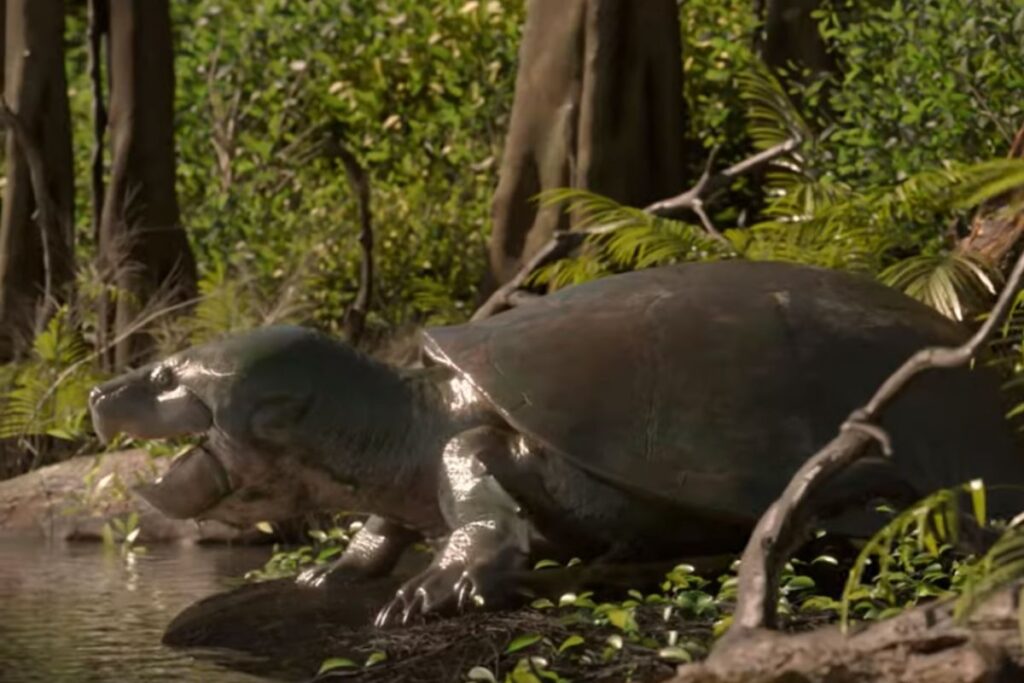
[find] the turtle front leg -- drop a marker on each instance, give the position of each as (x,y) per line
(373,551)
(489,540)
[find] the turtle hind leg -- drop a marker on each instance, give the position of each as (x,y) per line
(583,515)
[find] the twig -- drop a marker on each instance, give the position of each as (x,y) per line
(359,180)
(46,213)
(563,242)
(787,520)
(559,246)
(709,183)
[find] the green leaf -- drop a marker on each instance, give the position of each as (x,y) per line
(571,641)
(375,658)
(479,673)
(675,654)
(622,619)
(522,642)
(977,490)
(335,663)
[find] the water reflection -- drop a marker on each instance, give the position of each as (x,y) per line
(83,613)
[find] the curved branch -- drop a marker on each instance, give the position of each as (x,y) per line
(785,523)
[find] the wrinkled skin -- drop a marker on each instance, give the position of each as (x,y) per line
(641,418)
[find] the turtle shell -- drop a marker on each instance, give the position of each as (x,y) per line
(710,384)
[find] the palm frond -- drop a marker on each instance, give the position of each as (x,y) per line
(950,282)
(771,115)
(1001,565)
(622,238)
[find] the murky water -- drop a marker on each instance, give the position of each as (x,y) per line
(83,613)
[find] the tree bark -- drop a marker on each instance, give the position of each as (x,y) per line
(36,255)
(790,36)
(925,644)
(996,230)
(142,246)
(598,106)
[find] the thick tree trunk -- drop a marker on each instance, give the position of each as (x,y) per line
(36,255)
(143,247)
(598,106)
(790,36)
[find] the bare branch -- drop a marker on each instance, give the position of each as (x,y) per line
(786,522)
(359,180)
(709,183)
(558,247)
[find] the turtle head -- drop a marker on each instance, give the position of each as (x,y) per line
(268,410)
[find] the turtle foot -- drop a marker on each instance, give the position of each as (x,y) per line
(455,587)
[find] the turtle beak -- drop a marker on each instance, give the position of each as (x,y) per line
(131,404)
(195,482)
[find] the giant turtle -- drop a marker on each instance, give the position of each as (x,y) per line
(647,415)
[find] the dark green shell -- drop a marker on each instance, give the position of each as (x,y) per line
(710,384)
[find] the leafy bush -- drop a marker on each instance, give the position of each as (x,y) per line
(419,93)
(922,83)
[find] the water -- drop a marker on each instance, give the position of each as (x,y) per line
(83,613)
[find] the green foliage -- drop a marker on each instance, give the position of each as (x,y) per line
(327,545)
(900,232)
(624,238)
(419,93)
(717,50)
(914,555)
(46,394)
(923,83)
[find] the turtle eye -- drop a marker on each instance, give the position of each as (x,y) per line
(163,377)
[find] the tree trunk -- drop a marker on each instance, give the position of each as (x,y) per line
(36,259)
(598,106)
(142,245)
(790,36)
(996,228)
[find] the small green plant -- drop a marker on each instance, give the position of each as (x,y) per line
(46,393)
(912,556)
(327,545)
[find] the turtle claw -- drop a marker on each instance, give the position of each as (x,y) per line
(332,572)
(314,577)
(430,592)
(403,609)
